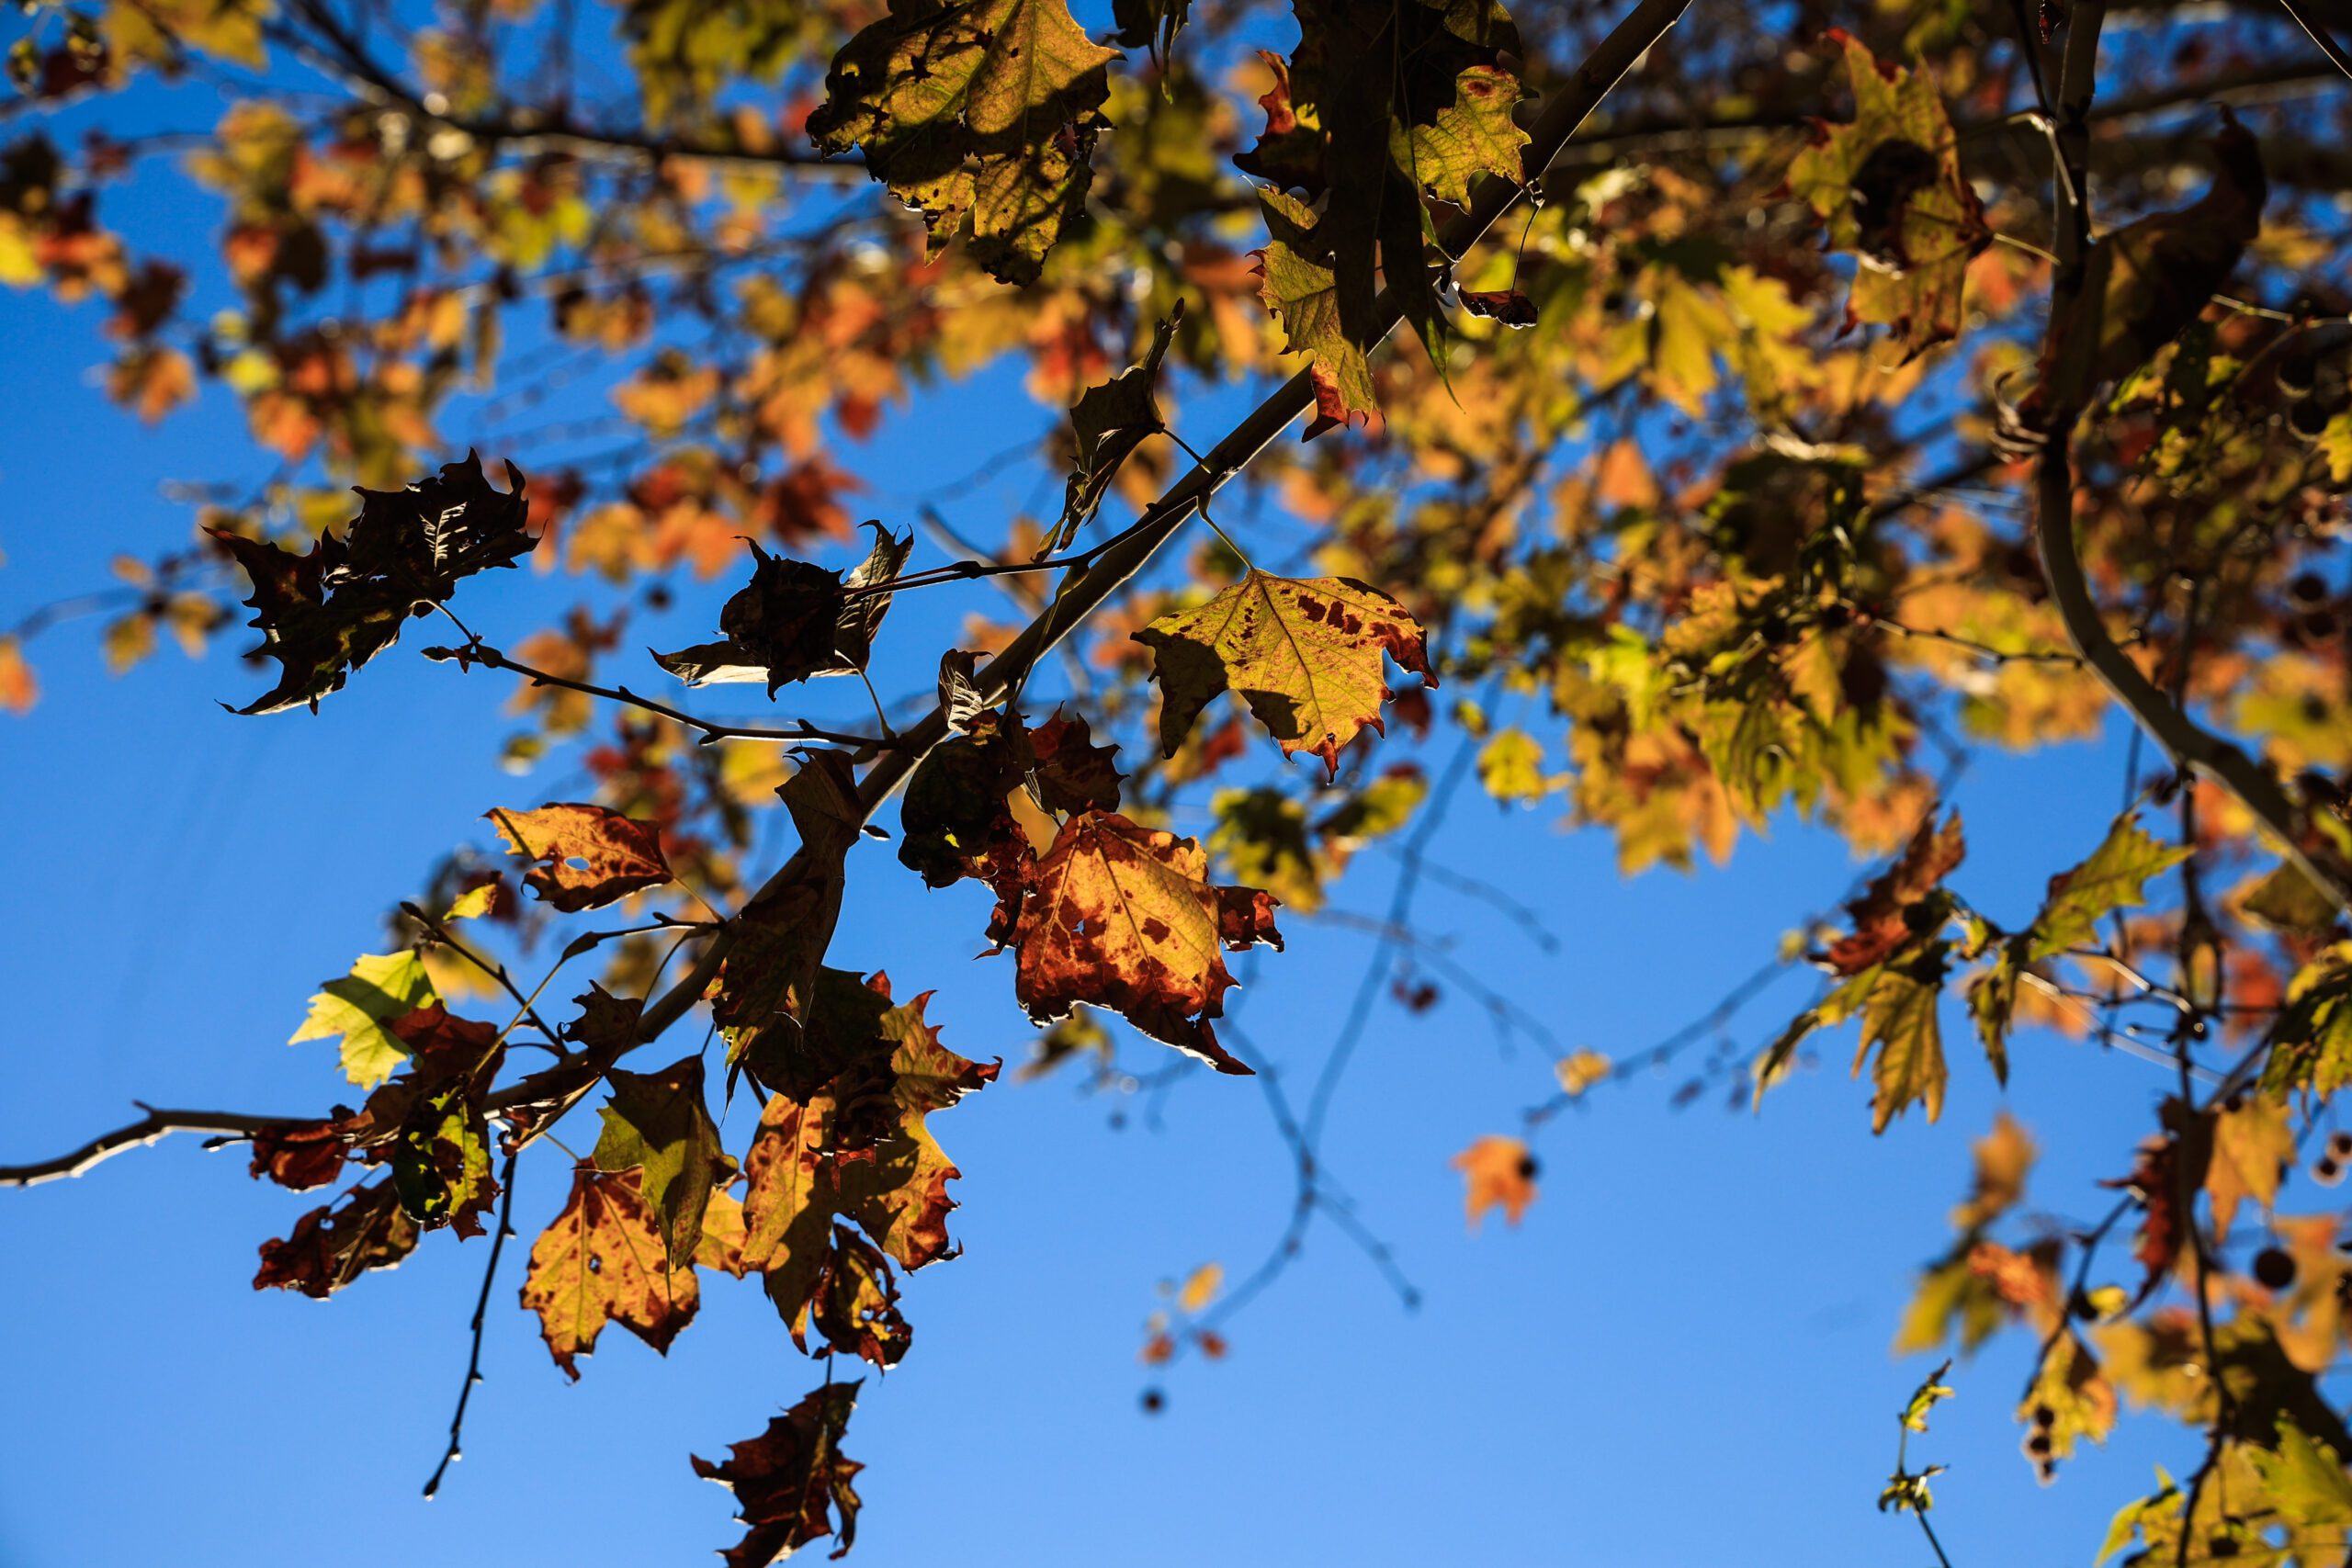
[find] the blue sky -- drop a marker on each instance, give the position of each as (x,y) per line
(1680,1357)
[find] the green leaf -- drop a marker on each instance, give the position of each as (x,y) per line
(361,1005)
(984,112)
(1931,1390)
(2304,1480)
(1473,136)
(2115,877)
(1303,293)
(2310,1042)
(659,1125)
(1899,1019)
(2286,900)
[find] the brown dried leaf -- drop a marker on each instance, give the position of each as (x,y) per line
(586,856)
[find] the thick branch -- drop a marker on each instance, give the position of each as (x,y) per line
(2191,747)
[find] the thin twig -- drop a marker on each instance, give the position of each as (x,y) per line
(482,1312)
(481,653)
(151,1128)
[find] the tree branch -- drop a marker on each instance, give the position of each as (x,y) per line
(555,1088)
(2191,747)
(1082,595)
(151,1128)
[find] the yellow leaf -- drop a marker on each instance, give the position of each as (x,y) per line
(380,988)
(1304,653)
(1200,1287)
(1579,1070)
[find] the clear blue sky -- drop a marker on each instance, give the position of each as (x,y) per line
(1681,1355)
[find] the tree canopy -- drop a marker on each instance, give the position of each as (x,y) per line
(1706,418)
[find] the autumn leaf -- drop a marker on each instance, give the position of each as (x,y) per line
(602,1260)
(1883,919)
(792,1482)
(2070,1399)
(487,898)
(2311,1040)
(2164,1179)
(1507,306)
(430,1121)
(855,1304)
(1200,1287)
(1500,1173)
(2142,285)
(2253,1145)
(1471,137)
(1123,917)
(1899,1021)
(325,613)
(796,621)
(958,818)
(359,1009)
(1304,653)
(18,690)
(852,1138)
(2004,1156)
(659,1125)
(1107,423)
(1579,1070)
(583,857)
(985,113)
(761,995)
(1889,185)
(332,1246)
(2115,877)
(302,1157)
(1303,293)
(721,1243)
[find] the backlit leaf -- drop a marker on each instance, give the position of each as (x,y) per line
(1123,917)
(359,1007)
(2115,877)
(658,1125)
(1303,652)
(792,1482)
(327,613)
(984,112)
(584,856)
(1500,1174)
(1899,1021)
(601,1261)
(1889,185)
(332,1246)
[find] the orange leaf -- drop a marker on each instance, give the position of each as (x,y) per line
(587,856)
(1501,1174)
(603,1261)
(1122,917)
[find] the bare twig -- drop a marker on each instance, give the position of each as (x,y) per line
(151,1128)
(451,1455)
(478,652)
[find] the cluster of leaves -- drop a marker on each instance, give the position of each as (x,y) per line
(1726,541)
